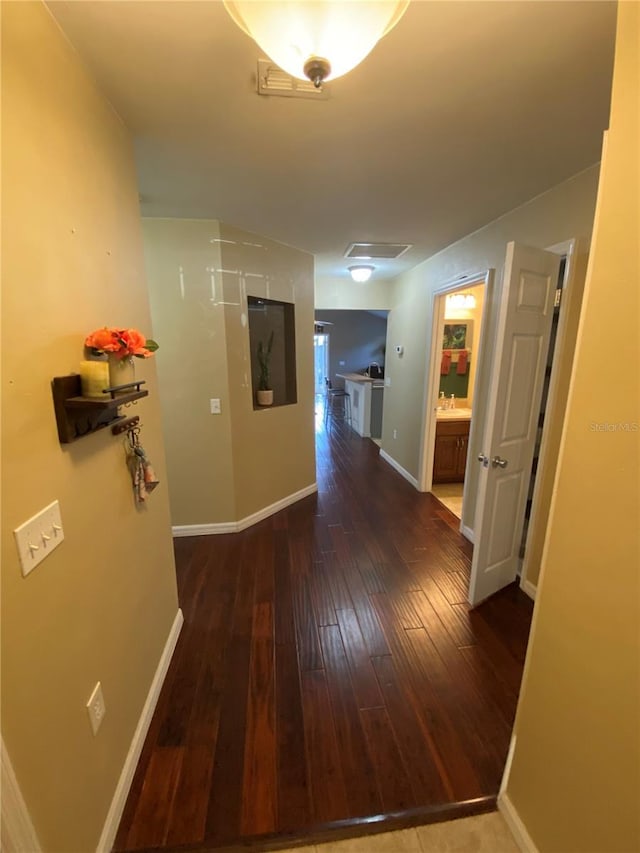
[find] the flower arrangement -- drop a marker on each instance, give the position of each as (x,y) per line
(121,343)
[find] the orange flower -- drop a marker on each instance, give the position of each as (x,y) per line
(123,343)
(102,339)
(132,341)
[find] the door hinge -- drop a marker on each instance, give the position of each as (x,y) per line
(558,299)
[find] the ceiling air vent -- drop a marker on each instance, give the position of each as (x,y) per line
(274,81)
(370,251)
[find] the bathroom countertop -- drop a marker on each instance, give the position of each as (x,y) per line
(355,377)
(453,414)
(364,380)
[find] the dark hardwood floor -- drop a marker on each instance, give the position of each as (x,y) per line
(329,670)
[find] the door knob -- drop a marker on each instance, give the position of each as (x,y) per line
(498,462)
(484,459)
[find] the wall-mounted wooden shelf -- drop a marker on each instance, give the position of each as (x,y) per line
(77,416)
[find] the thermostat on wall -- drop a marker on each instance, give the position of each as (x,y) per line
(399,350)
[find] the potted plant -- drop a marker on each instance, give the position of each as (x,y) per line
(265,392)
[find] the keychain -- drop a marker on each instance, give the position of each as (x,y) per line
(142,473)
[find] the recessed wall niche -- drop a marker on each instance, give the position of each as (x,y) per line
(267,316)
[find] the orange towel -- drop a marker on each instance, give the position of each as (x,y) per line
(462,362)
(446,362)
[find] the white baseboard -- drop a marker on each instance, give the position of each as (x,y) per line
(515,824)
(398,467)
(126,776)
(530,588)
(507,766)
(17,831)
(468,533)
(243,523)
(204,529)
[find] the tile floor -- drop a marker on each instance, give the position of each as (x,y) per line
(450,494)
(485,833)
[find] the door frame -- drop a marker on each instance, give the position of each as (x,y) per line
(566,334)
(484,277)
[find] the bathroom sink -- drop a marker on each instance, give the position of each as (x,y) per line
(453,414)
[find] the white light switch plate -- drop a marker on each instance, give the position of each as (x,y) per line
(214,404)
(39,536)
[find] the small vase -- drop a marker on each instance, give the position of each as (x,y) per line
(265,398)
(122,371)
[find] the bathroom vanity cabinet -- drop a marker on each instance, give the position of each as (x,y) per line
(450,459)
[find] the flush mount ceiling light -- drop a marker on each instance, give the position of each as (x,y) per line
(314,39)
(362,272)
(457,301)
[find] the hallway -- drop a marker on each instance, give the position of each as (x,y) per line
(329,670)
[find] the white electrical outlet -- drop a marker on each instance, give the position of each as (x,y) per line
(387,381)
(38,536)
(96,708)
(215,406)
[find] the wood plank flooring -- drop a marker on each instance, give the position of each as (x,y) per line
(329,670)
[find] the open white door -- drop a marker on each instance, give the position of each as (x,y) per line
(513,405)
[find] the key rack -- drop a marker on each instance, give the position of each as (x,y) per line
(77,416)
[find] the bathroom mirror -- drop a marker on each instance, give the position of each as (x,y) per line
(457,339)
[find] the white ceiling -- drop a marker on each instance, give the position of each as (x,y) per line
(463,112)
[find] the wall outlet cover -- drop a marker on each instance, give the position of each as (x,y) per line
(96,708)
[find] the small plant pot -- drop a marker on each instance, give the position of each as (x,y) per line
(265,398)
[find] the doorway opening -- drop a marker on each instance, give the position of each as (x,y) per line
(320,362)
(543,404)
(455,394)
(460,333)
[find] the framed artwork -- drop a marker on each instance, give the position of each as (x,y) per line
(458,334)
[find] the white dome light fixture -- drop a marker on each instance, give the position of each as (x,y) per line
(316,40)
(362,272)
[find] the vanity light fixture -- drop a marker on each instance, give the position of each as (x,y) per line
(362,272)
(458,301)
(313,40)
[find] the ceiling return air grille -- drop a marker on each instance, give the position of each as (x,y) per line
(274,81)
(371,251)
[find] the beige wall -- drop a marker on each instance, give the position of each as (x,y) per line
(561,213)
(373,295)
(101,606)
(268,464)
(183,264)
(226,467)
(575,776)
